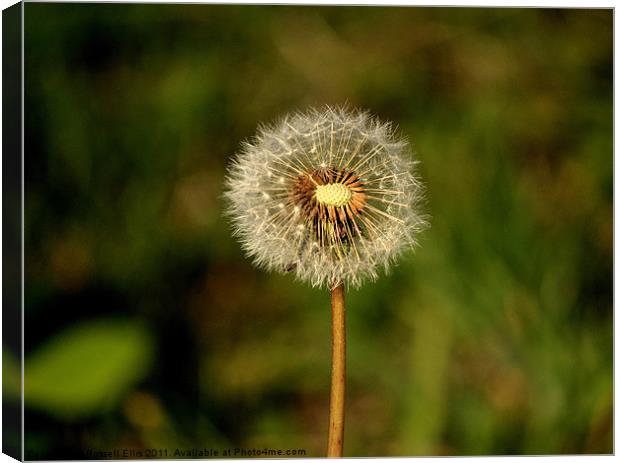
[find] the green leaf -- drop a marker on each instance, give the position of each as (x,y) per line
(86,369)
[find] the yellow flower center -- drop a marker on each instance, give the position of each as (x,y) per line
(333,194)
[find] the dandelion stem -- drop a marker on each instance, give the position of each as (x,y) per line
(336,404)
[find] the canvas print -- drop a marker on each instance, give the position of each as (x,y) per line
(305,231)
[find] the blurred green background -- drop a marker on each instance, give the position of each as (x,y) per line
(147,328)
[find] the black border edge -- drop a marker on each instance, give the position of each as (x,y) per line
(12,232)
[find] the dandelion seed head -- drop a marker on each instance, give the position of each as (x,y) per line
(330,194)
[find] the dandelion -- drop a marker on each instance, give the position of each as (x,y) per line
(331,196)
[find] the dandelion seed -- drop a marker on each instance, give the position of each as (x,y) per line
(340,177)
